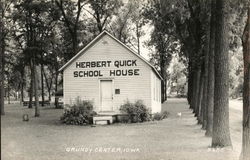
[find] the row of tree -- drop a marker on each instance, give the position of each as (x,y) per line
(37,37)
(207,32)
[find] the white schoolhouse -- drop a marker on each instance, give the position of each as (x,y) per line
(108,73)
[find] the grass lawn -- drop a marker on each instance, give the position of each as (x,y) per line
(45,138)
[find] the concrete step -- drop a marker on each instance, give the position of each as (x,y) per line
(103,119)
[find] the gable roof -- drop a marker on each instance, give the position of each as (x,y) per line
(118,41)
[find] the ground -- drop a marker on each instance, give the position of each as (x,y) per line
(174,138)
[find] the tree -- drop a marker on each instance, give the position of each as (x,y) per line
(182,30)
(35,77)
(177,73)
(2,59)
(159,13)
(138,22)
(103,10)
(34,22)
(48,79)
(121,26)
(191,31)
(127,24)
(204,110)
(4,33)
(246,91)
(210,87)
(221,133)
(71,12)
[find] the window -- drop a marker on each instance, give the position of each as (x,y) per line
(117,91)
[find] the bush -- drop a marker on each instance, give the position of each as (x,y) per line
(160,116)
(137,112)
(81,113)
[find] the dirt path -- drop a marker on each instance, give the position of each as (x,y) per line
(235,120)
(45,138)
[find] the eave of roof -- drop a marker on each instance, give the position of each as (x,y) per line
(95,40)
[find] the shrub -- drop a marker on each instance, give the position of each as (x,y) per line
(80,113)
(137,112)
(160,116)
(123,118)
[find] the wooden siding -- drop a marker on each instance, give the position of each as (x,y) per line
(87,88)
(155,93)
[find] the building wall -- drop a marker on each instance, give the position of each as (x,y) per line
(87,88)
(155,93)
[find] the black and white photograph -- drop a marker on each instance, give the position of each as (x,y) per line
(125,79)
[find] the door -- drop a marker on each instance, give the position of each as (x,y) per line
(106,95)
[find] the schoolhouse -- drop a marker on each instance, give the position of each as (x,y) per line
(109,73)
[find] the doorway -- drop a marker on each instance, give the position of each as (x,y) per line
(106,90)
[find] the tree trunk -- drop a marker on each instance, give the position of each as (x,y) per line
(163,81)
(37,112)
(190,84)
(194,85)
(2,45)
(246,91)
(2,81)
(165,89)
(48,84)
(221,133)
(22,92)
(8,86)
(196,92)
(31,84)
(200,99)
(16,96)
(56,99)
(204,94)
(42,85)
(74,44)
(2,96)
(99,23)
(2,74)
(138,38)
(162,91)
(210,89)
(49,91)
(205,98)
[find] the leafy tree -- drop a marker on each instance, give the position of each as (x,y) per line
(34,22)
(138,22)
(71,13)
(177,74)
(121,25)
(5,11)
(2,38)
(19,75)
(236,74)
(162,37)
(127,24)
(103,11)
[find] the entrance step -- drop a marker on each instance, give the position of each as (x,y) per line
(103,119)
